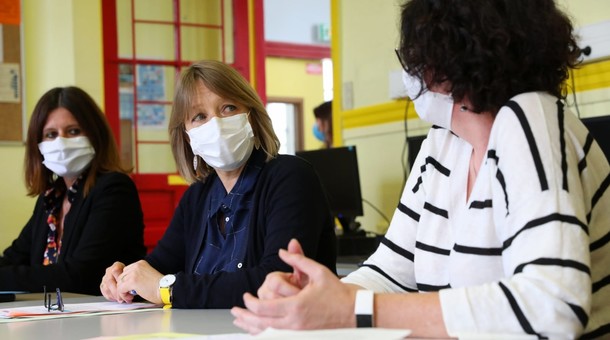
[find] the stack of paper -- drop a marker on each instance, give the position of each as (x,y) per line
(72,309)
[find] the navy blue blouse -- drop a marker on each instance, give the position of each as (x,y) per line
(226,251)
(287,202)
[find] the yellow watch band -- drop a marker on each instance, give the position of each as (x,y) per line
(165,289)
(166,296)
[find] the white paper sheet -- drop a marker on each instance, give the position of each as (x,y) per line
(340,333)
(41,312)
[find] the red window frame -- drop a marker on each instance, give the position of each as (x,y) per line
(241,59)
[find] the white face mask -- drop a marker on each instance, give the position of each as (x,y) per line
(67,157)
(223,143)
(432,107)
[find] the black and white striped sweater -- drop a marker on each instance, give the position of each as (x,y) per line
(529,251)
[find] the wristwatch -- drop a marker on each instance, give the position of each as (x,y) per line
(165,289)
(363,308)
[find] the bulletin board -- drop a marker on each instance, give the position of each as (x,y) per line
(11,98)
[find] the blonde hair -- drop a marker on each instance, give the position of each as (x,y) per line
(226,82)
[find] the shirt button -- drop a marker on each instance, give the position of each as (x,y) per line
(239,265)
(226,219)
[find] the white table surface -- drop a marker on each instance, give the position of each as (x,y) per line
(193,321)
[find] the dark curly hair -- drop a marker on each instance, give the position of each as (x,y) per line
(489,50)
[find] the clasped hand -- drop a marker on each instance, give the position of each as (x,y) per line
(311,297)
(121,281)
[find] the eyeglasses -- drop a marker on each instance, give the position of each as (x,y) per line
(402,63)
(57,306)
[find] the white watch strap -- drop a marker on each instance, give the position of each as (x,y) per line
(363,308)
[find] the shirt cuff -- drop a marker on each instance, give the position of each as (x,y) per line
(457,311)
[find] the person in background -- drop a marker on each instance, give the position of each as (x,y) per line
(88,212)
(323,127)
(244,204)
(503,225)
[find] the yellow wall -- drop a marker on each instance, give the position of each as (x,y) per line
(585,12)
(15,207)
(367,48)
(287,78)
(62,46)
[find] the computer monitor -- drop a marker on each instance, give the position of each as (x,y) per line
(600,129)
(338,172)
(414,144)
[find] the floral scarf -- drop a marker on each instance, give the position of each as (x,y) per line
(53,199)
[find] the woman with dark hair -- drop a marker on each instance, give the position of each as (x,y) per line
(245,202)
(85,199)
(503,225)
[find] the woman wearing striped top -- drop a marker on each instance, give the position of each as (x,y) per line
(503,225)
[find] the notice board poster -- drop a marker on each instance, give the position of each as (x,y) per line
(11,97)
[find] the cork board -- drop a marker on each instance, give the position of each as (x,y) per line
(11,98)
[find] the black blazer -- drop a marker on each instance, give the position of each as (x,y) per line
(104,227)
(288,203)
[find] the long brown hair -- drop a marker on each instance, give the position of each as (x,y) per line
(94,125)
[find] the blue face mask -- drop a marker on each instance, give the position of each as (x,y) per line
(316,132)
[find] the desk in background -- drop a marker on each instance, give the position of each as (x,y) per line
(347,264)
(353,249)
(192,321)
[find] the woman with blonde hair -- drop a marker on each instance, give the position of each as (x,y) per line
(244,204)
